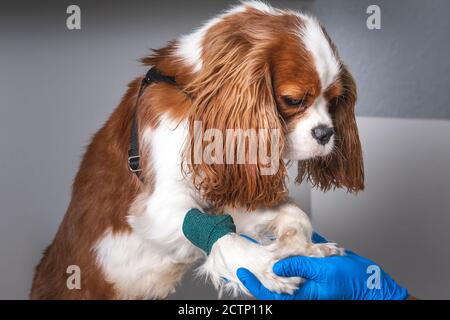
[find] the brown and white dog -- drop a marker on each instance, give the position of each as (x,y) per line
(252,67)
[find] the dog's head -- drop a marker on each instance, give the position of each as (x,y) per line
(275,74)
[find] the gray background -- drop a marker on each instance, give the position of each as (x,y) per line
(58,86)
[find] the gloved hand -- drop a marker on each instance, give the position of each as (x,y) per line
(349,277)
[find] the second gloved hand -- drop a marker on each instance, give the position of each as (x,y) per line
(349,277)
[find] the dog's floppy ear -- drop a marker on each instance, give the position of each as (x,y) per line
(343,168)
(233,95)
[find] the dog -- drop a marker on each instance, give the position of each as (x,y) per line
(253,68)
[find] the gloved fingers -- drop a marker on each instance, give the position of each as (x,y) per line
(257,289)
(318,238)
(253,285)
(299,266)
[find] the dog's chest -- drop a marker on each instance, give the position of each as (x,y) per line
(149,261)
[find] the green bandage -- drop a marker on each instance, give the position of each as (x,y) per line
(203,229)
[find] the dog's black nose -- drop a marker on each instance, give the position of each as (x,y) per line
(322,134)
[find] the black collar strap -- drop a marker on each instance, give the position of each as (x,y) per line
(153,75)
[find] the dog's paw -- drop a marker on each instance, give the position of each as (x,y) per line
(232,252)
(324,250)
(279,284)
(292,232)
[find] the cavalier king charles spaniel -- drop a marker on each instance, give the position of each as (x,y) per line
(254,68)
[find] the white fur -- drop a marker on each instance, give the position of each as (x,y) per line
(326,62)
(301,143)
(156,244)
(172,196)
(135,266)
(232,252)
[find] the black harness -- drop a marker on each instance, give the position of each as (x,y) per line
(153,75)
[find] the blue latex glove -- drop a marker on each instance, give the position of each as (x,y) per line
(349,277)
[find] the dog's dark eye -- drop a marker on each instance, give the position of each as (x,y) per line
(292,102)
(334,102)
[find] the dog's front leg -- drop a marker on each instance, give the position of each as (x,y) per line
(281,231)
(158,219)
(232,251)
(291,233)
